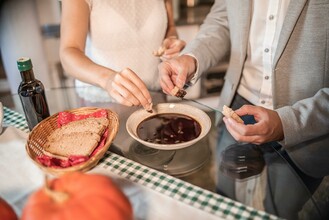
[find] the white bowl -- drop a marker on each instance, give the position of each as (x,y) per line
(140,115)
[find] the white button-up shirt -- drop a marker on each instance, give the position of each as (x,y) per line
(266,23)
(256,82)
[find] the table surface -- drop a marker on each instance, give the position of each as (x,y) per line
(190,177)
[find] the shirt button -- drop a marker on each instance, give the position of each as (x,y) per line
(263,102)
(271,17)
(267,77)
(266,50)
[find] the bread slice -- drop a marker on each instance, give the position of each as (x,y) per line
(180,93)
(159,52)
(228,112)
(79,137)
(93,125)
(74,143)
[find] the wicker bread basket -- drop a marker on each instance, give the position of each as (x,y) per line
(38,137)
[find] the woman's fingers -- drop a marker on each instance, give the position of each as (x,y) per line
(120,99)
(172,48)
(137,85)
(129,89)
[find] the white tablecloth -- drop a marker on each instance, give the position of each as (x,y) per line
(20,177)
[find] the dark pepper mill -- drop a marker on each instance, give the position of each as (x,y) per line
(31,93)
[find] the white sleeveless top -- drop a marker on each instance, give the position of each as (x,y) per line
(124,33)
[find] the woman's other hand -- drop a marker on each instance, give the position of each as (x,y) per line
(128,89)
(268,126)
(172,47)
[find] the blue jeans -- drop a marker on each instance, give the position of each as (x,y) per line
(226,140)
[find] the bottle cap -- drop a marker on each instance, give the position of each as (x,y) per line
(24,63)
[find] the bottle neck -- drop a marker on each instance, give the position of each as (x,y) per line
(27,75)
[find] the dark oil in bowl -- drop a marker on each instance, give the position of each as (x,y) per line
(168,128)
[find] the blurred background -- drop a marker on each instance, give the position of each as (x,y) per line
(31,28)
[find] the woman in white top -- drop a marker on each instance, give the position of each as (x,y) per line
(108,45)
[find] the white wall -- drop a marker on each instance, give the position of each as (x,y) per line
(20,28)
(49,13)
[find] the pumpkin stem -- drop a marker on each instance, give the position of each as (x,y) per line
(57,196)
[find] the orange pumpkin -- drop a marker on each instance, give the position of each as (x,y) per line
(78,196)
(6,211)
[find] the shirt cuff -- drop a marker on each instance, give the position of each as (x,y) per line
(196,74)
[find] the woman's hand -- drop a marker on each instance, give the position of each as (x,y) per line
(128,89)
(268,126)
(172,47)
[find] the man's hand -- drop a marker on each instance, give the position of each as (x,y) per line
(268,126)
(176,72)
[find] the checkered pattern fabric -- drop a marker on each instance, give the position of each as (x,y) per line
(15,119)
(163,183)
(180,190)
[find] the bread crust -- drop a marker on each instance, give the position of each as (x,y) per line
(79,137)
(180,93)
(158,53)
(228,112)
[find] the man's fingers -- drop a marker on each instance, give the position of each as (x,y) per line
(246,110)
(165,73)
(246,130)
(255,139)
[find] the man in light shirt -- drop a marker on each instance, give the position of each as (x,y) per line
(278,72)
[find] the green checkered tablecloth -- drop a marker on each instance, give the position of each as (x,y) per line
(163,183)
(15,119)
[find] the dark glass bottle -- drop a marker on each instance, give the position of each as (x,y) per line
(32,94)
